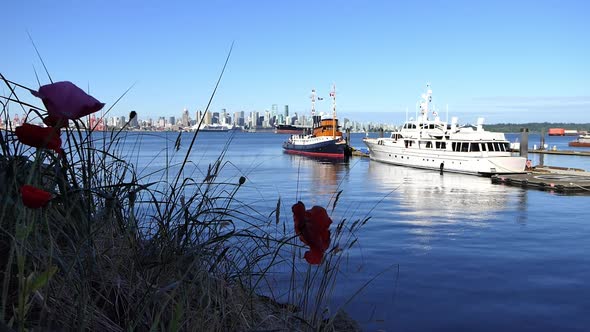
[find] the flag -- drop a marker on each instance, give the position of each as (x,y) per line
(331,94)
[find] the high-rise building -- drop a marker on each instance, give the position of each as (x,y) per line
(134,123)
(266,121)
(223,116)
(185,118)
(171,121)
(287,114)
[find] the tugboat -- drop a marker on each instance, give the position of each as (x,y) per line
(323,138)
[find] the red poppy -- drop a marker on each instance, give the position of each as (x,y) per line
(39,137)
(66,101)
(313,227)
(34,197)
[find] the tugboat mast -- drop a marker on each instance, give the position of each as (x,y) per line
(333,95)
(312,103)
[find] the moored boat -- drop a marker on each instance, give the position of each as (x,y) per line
(582,141)
(437,145)
(323,139)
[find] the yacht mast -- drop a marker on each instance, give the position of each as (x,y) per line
(425,102)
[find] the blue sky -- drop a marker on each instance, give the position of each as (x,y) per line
(509,61)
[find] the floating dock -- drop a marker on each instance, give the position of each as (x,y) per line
(556,179)
(560,152)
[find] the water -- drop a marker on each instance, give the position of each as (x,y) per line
(450,252)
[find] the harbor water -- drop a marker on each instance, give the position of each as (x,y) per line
(440,252)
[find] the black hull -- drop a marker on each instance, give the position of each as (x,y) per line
(324,149)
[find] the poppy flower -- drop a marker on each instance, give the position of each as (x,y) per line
(39,137)
(66,101)
(33,197)
(313,227)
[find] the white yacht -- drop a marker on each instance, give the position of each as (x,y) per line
(434,144)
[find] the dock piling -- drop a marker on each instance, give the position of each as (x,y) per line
(524,142)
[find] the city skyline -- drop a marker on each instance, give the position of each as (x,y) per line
(505,61)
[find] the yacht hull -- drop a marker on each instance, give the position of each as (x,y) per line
(476,163)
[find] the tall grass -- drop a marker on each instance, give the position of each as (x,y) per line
(116,250)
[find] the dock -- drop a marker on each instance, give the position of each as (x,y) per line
(560,152)
(556,179)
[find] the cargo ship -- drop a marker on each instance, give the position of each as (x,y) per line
(556,132)
(289,129)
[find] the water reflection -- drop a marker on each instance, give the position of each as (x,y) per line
(319,176)
(447,197)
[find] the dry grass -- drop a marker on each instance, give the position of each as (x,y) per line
(113,252)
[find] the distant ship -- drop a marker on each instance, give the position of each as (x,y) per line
(325,140)
(289,129)
(582,141)
(212,127)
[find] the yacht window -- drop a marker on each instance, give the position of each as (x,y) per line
(429,145)
(483,147)
(506,146)
(490,146)
(464,147)
(454,146)
(431,126)
(441,145)
(496,146)
(474,147)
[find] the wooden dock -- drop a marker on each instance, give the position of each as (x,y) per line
(549,179)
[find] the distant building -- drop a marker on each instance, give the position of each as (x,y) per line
(185,118)
(287,114)
(134,123)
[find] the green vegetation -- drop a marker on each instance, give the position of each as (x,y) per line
(86,243)
(536,127)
